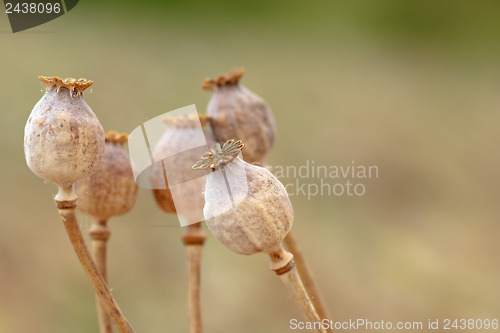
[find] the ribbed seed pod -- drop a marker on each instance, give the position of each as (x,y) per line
(248,210)
(63,139)
(175,148)
(246,207)
(63,143)
(112,190)
(238,113)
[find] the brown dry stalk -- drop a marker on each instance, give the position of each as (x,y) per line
(283,265)
(292,281)
(307,276)
(99,233)
(68,216)
(193,239)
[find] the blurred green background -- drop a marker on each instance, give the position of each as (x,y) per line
(409,86)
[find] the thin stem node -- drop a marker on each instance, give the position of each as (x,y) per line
(307,277)
(283,265)
(292,281)
(193,239)
(99,233)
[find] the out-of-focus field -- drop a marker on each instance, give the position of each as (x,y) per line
(412,89)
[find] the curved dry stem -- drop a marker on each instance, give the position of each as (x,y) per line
(99,233)
(193,239)
(292,281)
(306,275)
(68,216)
(283,265)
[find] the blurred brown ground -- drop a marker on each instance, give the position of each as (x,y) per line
(413,89)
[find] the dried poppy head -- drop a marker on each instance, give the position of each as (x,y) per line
(63,139)
(112,190)
(238,113)
(246,207)
(171,175)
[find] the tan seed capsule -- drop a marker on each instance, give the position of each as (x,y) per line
(176,151)
(112,190)
(175,154)
(248,210)
(63,143)
(238,113)
(63,139)
(246,207)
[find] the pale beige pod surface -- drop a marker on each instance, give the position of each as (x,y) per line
(237,113)
(112,190)
(255,217)
(63,139)
(181,135)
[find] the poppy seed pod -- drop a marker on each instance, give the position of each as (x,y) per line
(178,189)
(248,210)
(63,143)
(63,139)
(238,113)
(112,190)
(246,207)
(176,153)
